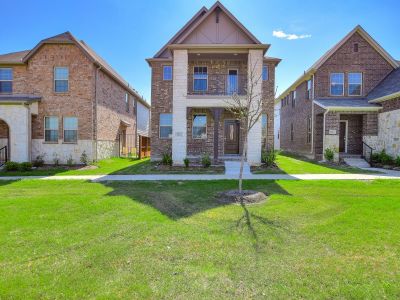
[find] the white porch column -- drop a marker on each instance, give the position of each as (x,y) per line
(179,92)
(254,66)
(18,120)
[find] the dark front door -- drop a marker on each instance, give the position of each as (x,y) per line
(231,137)
(342,137)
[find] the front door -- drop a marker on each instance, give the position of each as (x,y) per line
(231,137)
(343,137)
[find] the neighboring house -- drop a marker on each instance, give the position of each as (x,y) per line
(61,99)
(193,77)
(349,100)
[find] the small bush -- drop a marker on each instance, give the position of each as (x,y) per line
(329,154)
(397,161)
(375,157)
(39,161)
(167,159)
(206,161)
(385,158)
(25,166)
(56,159)
(70,161)
(186,162)
(84,158)
(268,157)
(11,166)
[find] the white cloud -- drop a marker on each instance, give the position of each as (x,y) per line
(289,36)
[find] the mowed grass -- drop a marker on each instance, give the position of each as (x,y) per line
(114,166)
(290,164)
(173,240)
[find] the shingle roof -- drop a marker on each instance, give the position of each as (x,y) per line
(388,86)
(346,103)
(14,57)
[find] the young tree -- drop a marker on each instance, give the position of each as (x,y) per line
(247,109)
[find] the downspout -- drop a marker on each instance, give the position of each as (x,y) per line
(323,136)
(94,114)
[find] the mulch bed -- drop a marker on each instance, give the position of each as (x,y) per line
(246,197)
(264,167)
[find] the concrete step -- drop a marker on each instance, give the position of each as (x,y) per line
(233,168)
(356,162)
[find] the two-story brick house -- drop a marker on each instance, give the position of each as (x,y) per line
(61,99)
(193,77)
(346,101)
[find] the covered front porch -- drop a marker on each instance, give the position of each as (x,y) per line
(349,127)
(16,126)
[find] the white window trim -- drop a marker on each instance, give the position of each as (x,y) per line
(199,138)
(348,83)
(54,80)
(159,126)
(172,75)
(8,80)
(44,130)
(200,79)
(330,84)
(77,128)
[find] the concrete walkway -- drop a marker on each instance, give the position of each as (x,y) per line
(181,177)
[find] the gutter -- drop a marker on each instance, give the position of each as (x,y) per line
(385,98)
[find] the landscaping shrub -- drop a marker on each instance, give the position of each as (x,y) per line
(56,159)
(206,160)
(375,157)
(329,154)
(70,161)
(11,166)
(397,161)
(84,158)
(186,162)
(167,159)
(39,161)
(25,166)
(268,157)
(385,158)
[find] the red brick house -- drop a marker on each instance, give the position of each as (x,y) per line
(194,75)
(61,99)
(347,101)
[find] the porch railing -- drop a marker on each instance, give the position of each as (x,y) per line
(217,84)
(367,152)
(3,155)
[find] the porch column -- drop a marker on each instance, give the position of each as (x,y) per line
(216,115)
(179,93)
(254,70)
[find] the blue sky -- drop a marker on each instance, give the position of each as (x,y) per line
(125,32)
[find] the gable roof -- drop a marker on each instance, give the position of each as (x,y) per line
(197,20)
(358,29)
(13,57)
(68,38)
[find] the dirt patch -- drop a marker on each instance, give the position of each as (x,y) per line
(246,197)
(194,169)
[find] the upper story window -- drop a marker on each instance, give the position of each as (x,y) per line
(6,78)
(337,84)
(264,125)
(309,87)
(165,126)
(167,72)
(265,72)
(199,130)
(70,129)
(61,75)
(355,47)
(355,84)
(51,129)
(200,79)
(126,102)
(293,98)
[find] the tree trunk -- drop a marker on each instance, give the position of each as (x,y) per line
(244,153)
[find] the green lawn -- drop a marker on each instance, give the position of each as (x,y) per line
(172,240)
(290,164)
(116,166)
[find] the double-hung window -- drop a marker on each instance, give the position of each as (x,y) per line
(61,75)
(308,130)
(127,102)
(51,129)
(167,72)
(165,126)
(199,130)
(200,79)
(70,129)
(355,84)
(309,86)
(293,99)
(337,84)
(265,73)
(264,125)
(6,77)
